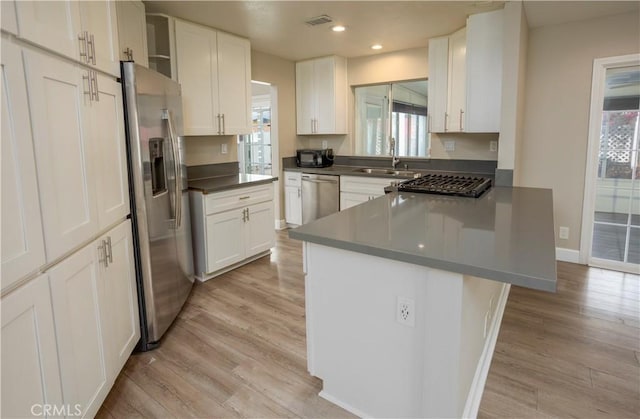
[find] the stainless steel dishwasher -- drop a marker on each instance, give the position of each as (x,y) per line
(320,196)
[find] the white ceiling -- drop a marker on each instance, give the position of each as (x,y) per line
(279,28)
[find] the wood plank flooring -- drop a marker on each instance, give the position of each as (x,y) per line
(238,350)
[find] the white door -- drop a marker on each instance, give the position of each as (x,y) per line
(324,78)
(76,293)
(30,369)
(305,101)
(110,159)
(22,239)
(611,225)
(438,79)
(198,74)
(225,239)
(457,81)
(132,31)
(122,325)
(234,84)
(60,128)
(259,229)
(293,205)
(98,18)
(54,25)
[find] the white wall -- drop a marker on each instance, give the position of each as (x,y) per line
(558,96)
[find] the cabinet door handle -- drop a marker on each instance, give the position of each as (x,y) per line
(299,193)
(102,253)
(248,216)
(109,250)
(89,90)
(82,37)
(128,54)
(91,58)
(446,119)
(224,123)
(94,77)
(461,113)
(428,122)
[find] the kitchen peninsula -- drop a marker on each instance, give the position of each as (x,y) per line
(405,294)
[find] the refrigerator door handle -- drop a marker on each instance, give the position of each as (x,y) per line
(166,115)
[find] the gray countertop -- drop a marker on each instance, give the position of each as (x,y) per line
(223,183)
(506,235)
(353,171)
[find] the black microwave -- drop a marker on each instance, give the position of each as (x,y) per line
(314,158)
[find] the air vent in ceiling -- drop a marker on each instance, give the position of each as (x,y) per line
(319,20)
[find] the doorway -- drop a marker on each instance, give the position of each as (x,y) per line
(611,222)
(256,151)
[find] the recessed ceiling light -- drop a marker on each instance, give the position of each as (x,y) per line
(376,46)
(338,28)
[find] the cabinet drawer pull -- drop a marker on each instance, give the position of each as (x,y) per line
(245,197)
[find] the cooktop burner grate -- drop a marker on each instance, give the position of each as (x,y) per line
(457,185)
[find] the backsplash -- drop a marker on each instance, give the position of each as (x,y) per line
(204,150)
(467,146)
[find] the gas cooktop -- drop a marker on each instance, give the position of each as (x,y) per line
(447,184)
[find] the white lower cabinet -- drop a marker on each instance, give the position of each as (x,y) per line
(293,197)
(30,369)
(355,190)
(230,227)
(96,317)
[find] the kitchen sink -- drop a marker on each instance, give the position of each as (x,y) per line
(380,171)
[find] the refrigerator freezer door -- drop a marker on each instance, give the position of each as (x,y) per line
(165,274)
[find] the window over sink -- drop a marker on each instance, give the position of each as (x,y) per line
(395,110)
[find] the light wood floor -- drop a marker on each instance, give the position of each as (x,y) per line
(238,350)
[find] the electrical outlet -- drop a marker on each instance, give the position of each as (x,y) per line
(450,145)
(563,233)
(325,144)
(223,149)
(405,311)
(493,146)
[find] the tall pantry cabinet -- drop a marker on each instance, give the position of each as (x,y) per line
(68,291)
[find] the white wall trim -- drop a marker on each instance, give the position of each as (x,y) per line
(600,66)
(568,255)
(343,405)
(482,371)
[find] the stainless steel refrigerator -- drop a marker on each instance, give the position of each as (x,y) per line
(159,198)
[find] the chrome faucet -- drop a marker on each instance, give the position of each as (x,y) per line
(394,159)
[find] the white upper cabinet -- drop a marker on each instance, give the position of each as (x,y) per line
(484,72)
(234,83)
(99,20)
(110,158)
(54,25)
(214,69)
(457,103)
(197,65)
(471,73)
(8,15)
(77,115)
(85,31)
(22,239)
(61,128)
(438,83)
(132,31)
(321,96)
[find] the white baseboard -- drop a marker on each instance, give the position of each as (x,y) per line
(343,405)
(281,224)
(474,396)
(567,255)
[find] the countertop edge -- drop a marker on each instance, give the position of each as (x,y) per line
(220,188)
(538,283)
